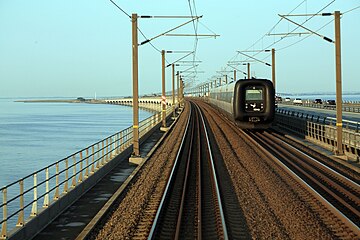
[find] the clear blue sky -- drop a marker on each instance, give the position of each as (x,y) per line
(76,48)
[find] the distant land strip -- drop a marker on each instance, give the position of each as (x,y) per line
(78,100)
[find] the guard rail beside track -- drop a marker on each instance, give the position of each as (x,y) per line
(348,106)
(321,130)
(25,199)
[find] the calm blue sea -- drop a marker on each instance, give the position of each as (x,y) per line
(34,135)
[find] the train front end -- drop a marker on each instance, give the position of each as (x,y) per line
(254,103)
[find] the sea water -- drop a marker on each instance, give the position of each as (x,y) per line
(34,135)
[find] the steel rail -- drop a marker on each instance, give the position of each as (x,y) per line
(339,175)
(219,213)
(199,215)
(167,188)
(222,215)
(317,178)
(185,184)
(346,221)
(93,224)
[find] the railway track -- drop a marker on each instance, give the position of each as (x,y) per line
(191,206)
(340,194)
(185,200)
(247,192)
(333,194)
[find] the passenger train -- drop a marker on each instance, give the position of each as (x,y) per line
(250,103)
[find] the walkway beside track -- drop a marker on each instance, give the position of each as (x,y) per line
(71,222)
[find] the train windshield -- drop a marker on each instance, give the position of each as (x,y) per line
(254,94)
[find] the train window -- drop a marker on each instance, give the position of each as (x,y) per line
(253,94)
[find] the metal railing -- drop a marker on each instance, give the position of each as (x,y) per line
(348,106)
(21,199)
(321,130)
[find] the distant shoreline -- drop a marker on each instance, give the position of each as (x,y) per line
(78,100)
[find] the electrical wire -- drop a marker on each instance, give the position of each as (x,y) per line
(289,33)
(207,28)
(120,8)
(271,29)
(351,10)
(304,37)
(195,26)
(308,19)
(316,30)
(148,42)
(319,29)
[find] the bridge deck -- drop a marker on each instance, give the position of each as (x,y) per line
(70,223)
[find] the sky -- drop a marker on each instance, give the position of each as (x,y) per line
(68,48)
